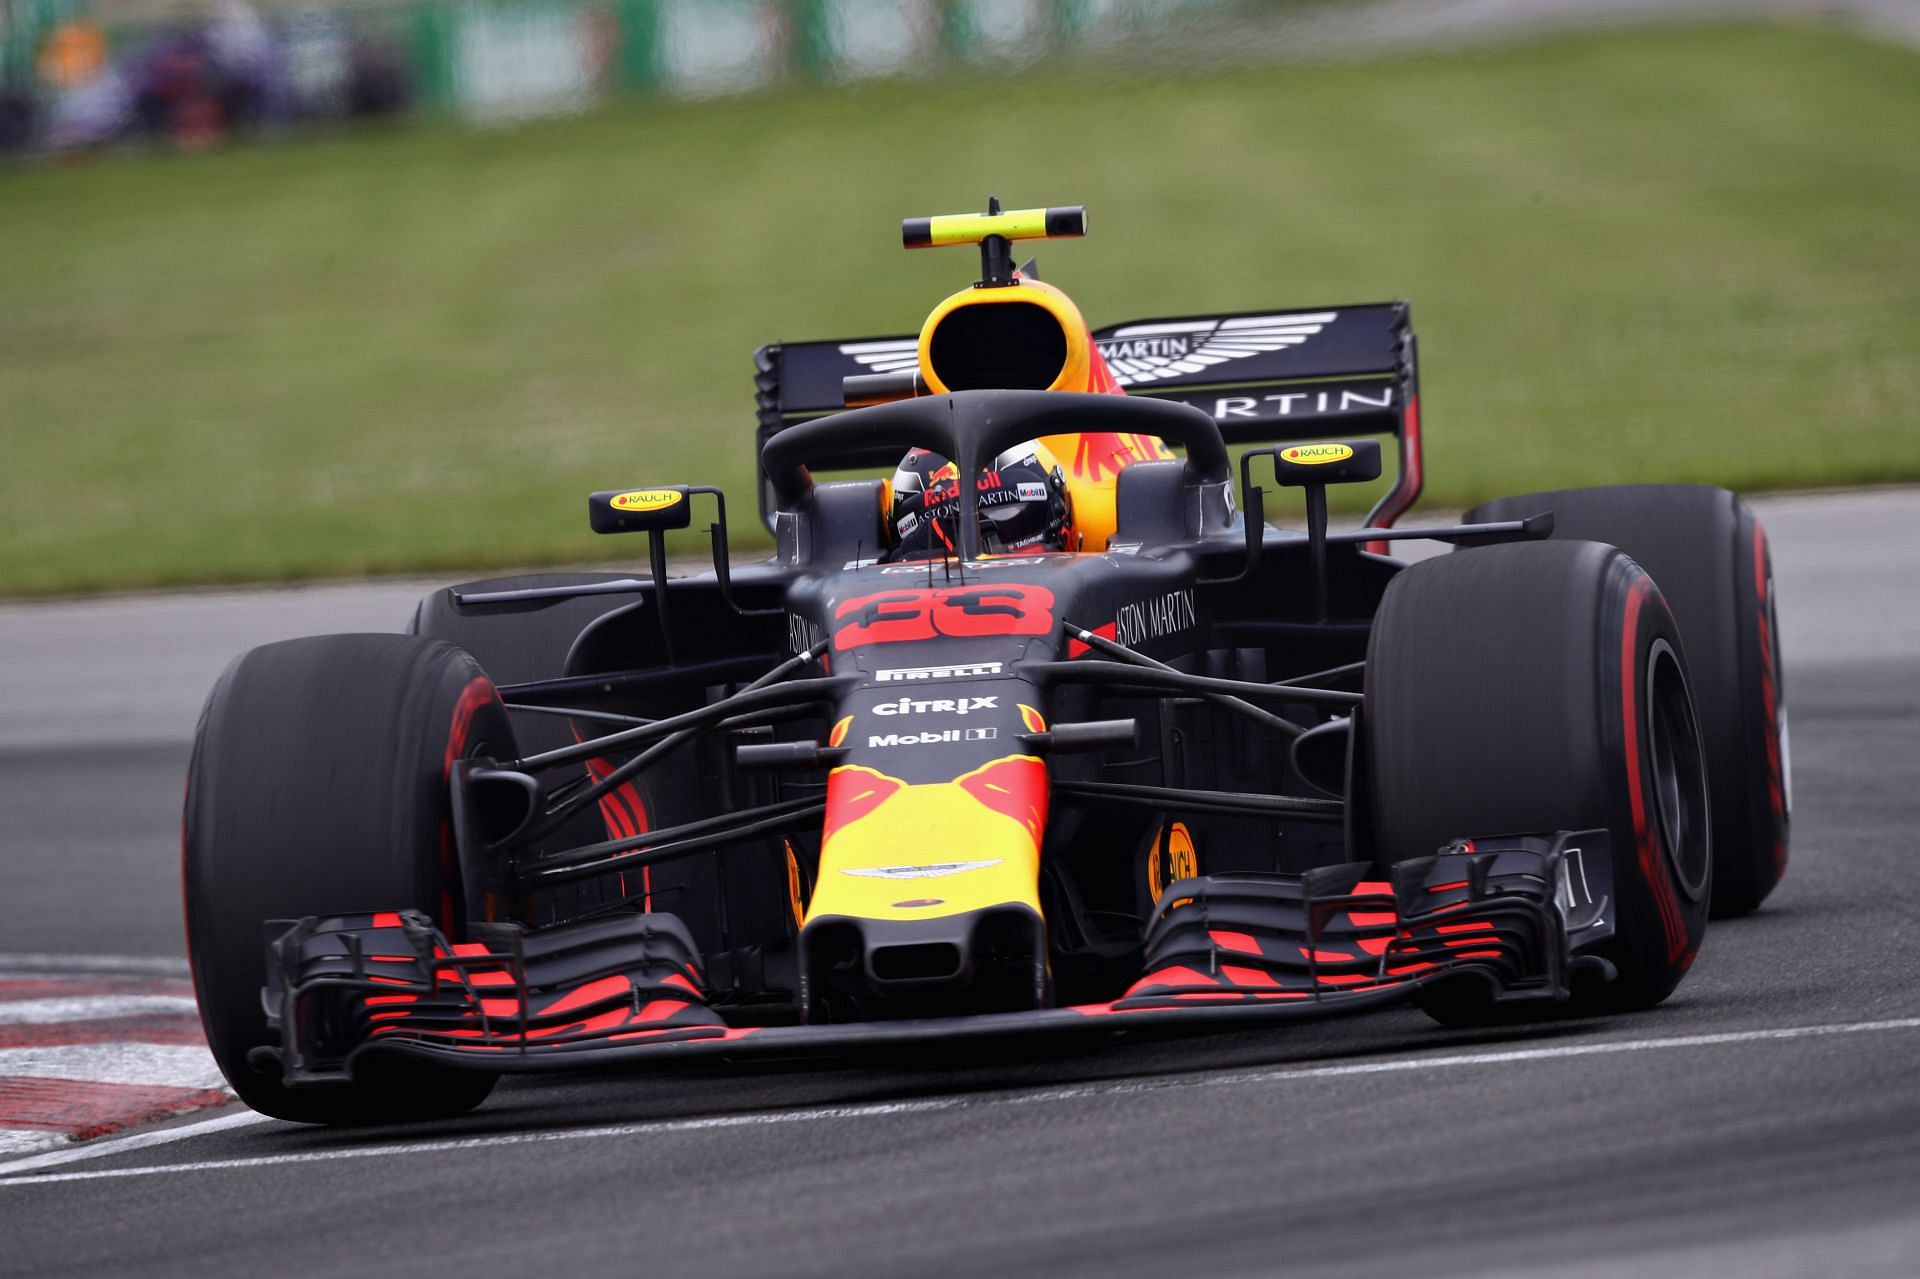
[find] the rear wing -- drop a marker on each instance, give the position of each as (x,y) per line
(1267,377)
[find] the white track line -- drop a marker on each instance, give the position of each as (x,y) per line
(139,1141)
(28,1012)
(1045,1096)
(66,965)
(27,1140)
(118,1062)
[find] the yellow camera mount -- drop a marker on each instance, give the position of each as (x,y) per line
(994,231)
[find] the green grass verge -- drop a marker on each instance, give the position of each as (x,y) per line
(1685,255)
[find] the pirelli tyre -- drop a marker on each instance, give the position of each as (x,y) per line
(1709,555)
(1539,687)
(318,786)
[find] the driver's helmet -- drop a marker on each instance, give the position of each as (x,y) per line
(1023,504)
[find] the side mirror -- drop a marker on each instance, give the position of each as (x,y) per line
(1311,467)
(654,512)
(1301,465)
(640,510)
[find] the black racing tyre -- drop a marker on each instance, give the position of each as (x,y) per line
(1709,555)
(1541,687)
(318,786)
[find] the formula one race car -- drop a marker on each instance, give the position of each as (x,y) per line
(1045,732)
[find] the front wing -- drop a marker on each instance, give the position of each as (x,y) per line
(1517,915)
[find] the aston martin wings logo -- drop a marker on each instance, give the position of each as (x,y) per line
(1141,353)
(891,355)
(932,870)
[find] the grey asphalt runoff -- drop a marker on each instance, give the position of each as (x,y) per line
(1764,1121)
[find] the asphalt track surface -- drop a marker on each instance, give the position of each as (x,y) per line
(1764,1121)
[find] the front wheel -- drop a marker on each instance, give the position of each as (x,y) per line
(1539,687)
(318,786)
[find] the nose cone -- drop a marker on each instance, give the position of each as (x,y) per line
(930,890)
(895,850)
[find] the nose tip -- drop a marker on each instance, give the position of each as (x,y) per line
(916,962)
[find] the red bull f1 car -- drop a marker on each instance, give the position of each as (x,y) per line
(1051,731)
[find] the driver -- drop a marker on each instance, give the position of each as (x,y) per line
(1024,509)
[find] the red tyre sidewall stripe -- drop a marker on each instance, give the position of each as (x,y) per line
(478,692)
(1653,869)
(613,814)
(624,813)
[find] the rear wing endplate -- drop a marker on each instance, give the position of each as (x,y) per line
(1266,377)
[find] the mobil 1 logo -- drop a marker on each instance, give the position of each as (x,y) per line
(931,737)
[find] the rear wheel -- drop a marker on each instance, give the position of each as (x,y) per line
(1540,687)
(318,786)
(1709,556)
(520,643)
